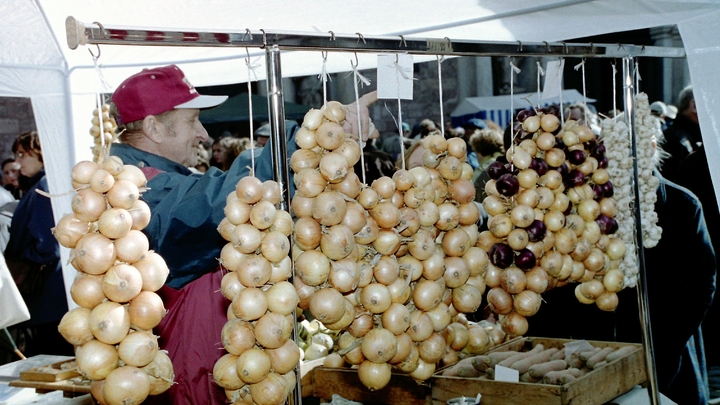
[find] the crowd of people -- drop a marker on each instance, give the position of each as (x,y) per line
(190,175)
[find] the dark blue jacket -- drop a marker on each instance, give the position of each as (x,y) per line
(31,239)
(187,207)
(681,283)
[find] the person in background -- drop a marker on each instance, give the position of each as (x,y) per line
(33,255)
(425,127)
(678,344)
(7,207)
(203,163)
(670,114)
(158,112)
(261,135)
(233,147)
(11,177)
(580,112)
(391,145)
(659,109)
(377,163)
(413,156)
(218,153)
(488,145)
(683,136)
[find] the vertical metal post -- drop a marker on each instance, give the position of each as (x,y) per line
(276,110)
(278,145)
(629,99)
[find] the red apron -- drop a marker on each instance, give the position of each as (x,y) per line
(191,333)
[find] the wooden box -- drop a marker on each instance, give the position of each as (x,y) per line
(401,390)
(594,388)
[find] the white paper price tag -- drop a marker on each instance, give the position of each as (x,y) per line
(506,374)
(553,79)
(395,77)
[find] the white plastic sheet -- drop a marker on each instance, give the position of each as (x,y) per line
(13,307)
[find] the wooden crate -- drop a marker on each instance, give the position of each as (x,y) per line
(54,372)
(594,388)
(401,390)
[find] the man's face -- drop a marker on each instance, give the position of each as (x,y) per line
(11,171)
(182,133)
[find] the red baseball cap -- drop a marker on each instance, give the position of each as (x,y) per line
(155,91)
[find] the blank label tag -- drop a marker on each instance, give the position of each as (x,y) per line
(506,374)
(395,76)
(553,79)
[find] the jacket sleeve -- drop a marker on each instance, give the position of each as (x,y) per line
(186,211)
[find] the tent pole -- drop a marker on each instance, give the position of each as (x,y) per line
(643,302)
(278,145)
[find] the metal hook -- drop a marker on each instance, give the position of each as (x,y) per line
(247,33)
(361,37)
(642,49)
(565,47)
(449,41)
(247,60)
(519,46)
(324,55)
(397,59)
(101,27)
(620,46)
(357,63)
(98,52)
(332,35)
(264,38)
(547,46)
(402,41)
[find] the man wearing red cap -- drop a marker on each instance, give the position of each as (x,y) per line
(157,112)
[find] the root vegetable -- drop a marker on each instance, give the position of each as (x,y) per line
(539,370)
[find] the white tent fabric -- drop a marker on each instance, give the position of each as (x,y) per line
(36,62)
(498,108)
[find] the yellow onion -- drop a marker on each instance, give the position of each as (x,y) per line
(273,330)
(87,290)
(75,326)
(146,310)
(253,365)
(122,282)
(95,359)
(138,348)
(160,373)
(70,229)
(374,376)
(109,322)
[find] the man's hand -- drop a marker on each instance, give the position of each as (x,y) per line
(351,122)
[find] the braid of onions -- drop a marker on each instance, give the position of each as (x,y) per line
(260,357)
(390,267)
(552,219)
(115,287)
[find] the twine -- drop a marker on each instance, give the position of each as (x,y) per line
(440,90)
(541,72)
(579,66)
(251,70)
(365,81)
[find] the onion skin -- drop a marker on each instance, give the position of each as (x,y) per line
(374,376)
(75,326)
(146,310)
(95,359)
(110,322)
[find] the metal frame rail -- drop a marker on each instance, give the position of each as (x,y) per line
(80,34)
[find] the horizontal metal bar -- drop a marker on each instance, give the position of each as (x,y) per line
(81,34)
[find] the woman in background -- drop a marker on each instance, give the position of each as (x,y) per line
(33,248)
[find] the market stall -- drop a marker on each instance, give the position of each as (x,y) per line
(274,42)
(36,63)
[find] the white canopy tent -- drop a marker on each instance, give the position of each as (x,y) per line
(36,62)
(499,108)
